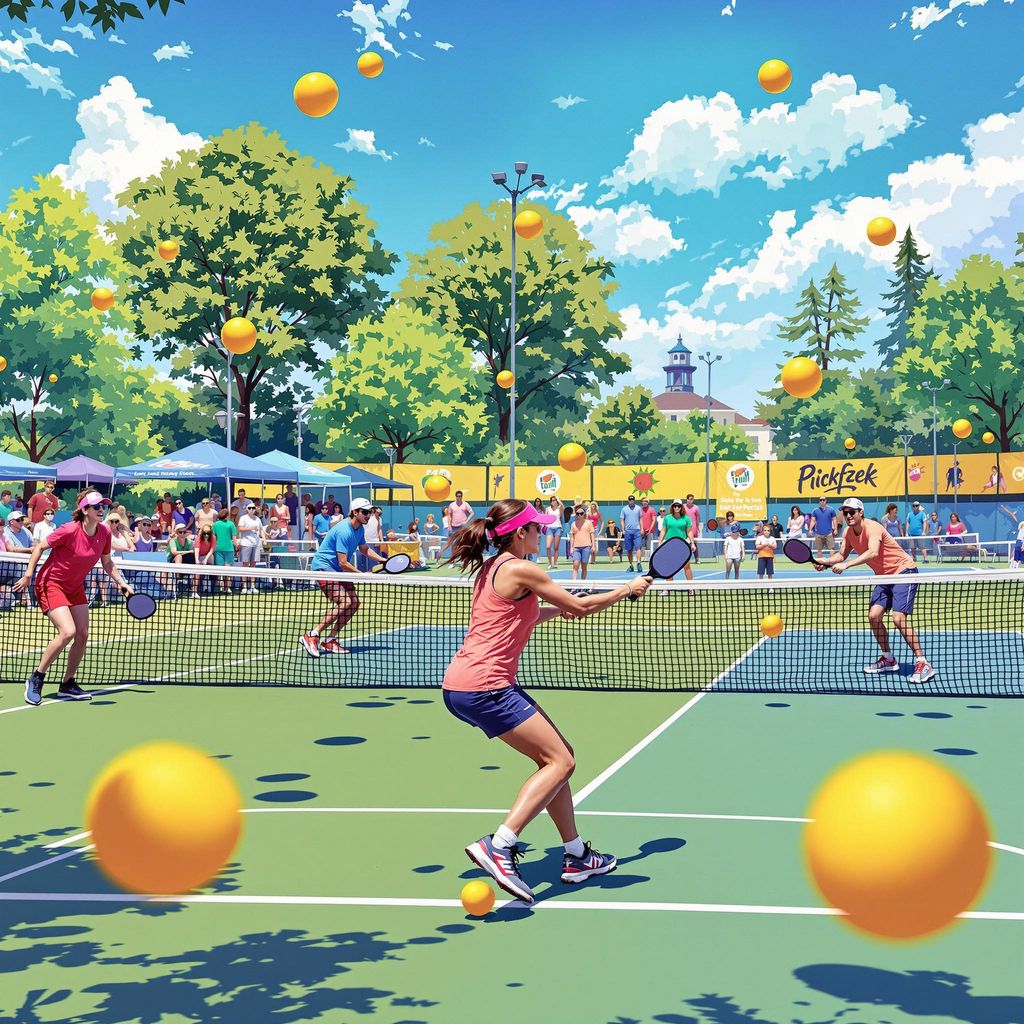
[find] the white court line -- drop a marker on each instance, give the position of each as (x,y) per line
(61,700)
(45,863)
(589,788)
(67,841)
(383,901)
(1008,849)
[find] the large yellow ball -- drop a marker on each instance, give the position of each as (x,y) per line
(168,249)
(3,364)
(370,64)
(801,377)
(238,335)
(988,437)
(572,457)
(164,817)
(316,94)
(505,379)
(962,428)
(437,488)
(102,299)
(899,843)
(881,231)
(775,76)
(477,897)
(849,444)
(771,625)
(528,224)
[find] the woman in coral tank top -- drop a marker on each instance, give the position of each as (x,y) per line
(480,685)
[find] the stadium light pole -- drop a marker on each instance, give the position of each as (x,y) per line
(390,451)
(706,357)
(956,479)
(300,408)
(905,440)
(500,178)
(935,389)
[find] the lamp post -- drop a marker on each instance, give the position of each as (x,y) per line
(300,409)
(935,389)
(225,419)
(956,479)
(390,451)
(706,357)
(500,178)
(905,440)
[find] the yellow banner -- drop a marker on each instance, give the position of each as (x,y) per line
(974,474)
(741,488)
(542,482)
(658,483)
(811,479)
(1011,479)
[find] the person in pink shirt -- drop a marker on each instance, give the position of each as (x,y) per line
(480,686)
(459,512)
(691,510)
(74,549)
(648,519)
(41,502)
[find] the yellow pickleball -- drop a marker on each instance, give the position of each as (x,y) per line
(238,335)
(165,818)
(899,843)
(528,224)
(988,437)
(3,364)
(881,231)
(505,379)
(775,76)
(168,249)
(771,625)
(102,299)
(53,378)
(477,897)
(437,487)
(962,428)
(801,377)
(849,444)
(370,64)
(572,457)
(316,94)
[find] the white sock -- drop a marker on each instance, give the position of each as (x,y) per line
(504,838)
(575,848)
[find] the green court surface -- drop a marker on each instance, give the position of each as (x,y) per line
(342,902)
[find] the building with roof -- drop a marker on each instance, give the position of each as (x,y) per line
(680,399)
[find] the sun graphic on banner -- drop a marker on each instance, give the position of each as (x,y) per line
(643,481)
(915,471)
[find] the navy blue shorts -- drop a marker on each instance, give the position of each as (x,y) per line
(494,711)
(632,541)
(896,597)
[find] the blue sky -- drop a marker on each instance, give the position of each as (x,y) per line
(715,200)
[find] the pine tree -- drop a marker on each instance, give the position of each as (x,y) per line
(825,318)
(903,293)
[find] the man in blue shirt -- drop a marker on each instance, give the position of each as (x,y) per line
(915,532)
(335,555)
(632,539)
(826,526)
(322,523)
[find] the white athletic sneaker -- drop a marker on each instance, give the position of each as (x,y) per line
(922,671)
(886,663)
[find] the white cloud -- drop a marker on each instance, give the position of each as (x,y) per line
(1016,87)
(699,143)
(363,141)
(564,102)
(443,46)
(630,234)
(366,19)
(120,141)
(14,59)
(424,141)
(116,39)
(394,10)
(168,52)
(16,143)
(416,55)
(80,29)
(930,14)
(562,197)
(728,9)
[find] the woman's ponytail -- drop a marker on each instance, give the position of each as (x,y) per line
(469,545)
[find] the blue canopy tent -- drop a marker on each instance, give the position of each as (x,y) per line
(364,477)
(306,474)
(12,468)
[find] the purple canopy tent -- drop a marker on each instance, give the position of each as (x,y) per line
(88,471)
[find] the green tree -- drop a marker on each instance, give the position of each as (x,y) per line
(563,322)
(400,381)
(969,330)
(904,289)
(107,14)
(266,234)
(628,427)
(51,256)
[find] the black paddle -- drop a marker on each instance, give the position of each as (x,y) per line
(668,559)
(395,564)
(797,551)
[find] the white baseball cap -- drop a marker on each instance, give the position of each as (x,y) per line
(15,514)
(360,503)
(852,503)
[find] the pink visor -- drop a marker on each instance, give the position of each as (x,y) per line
(92,498)
(524,518)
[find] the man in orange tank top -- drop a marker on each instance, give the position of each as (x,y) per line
(876,549)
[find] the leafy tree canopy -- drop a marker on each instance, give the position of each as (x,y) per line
(107,14)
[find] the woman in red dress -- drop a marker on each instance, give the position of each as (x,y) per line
(74,549)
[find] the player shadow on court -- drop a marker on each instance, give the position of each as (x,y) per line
(548,869)
(920,993)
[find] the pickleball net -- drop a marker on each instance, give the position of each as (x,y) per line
(242,627)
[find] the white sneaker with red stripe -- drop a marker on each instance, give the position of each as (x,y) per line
(501,865)
(579,869)
(332,645)
(310,644)
(886,663)
(922,671)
